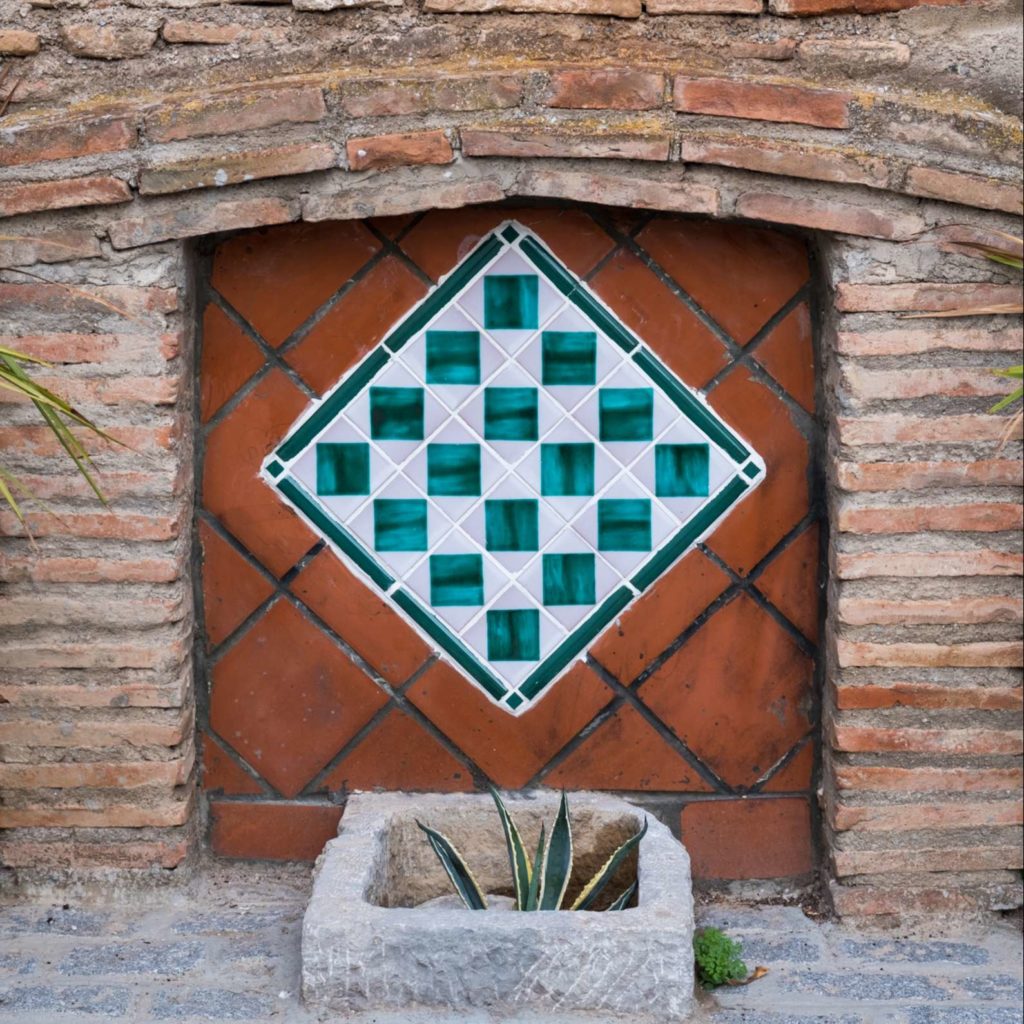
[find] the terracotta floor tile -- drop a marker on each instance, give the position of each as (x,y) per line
(738,692)
(626,753)
(232,588)
(796,776)
(751,838)
(278,277)
(510,750)
(232,490)
(790,582)
(260,830)
(660,318)
(356,323)
(229,358)
(399,754)
(647,627)
(394,225)
(369,625)
(222,775)
(287,698)
(788,355)
(740,276)
(763,518)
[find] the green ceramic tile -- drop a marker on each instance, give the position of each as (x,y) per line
(510,414)
(569,579)
(624,524)
(396,414)
(567,469)
(453,357)
(569,357)
(511,524)
(750,471)
(681,470)
(510,302)
(453,469)
(342,468)
(400,524)
(456,580)
(513,634)
(627,414)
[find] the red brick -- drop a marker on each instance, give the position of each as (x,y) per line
(983,653)
(34,143)
(966,189)
(121,390)
(228,358)
(703,6)
(391,97)
(100,190)
(78,855)
(233,168)
(930,563)
(253,830)
(867,696)
(790,582)
(78,731)
(916,476)
(922,298)
(927,780)
(124,526)
(383,151)
(787,353)
(974,742)
(201,32)
(759,101)
(717,834)
(126,301)
(612,8)
(199,218)
(864,611)
(626,753)
(987,517)
(913,341)
(48,247)
(605,89)
(112,42)
(864,386)
(107,349)
(918,861)
(39,440)
(901,429)
(828,215)
(15,42)
(811,8)
(914,817)
(98,775)
(873,901)
(152,814)
(546,142)
(127,692)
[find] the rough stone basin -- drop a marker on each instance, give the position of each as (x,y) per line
(367,947)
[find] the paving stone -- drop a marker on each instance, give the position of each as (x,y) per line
(57,921)
(893,950)
(865,984)
(757,1017)
(15,964)
(760,950)
(963,1015)
(89,999)
(997,988)
(210,1004)
(234,921)
(133,958)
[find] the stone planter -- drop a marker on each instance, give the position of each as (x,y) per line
(366,946)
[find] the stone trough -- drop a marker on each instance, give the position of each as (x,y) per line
(368,944)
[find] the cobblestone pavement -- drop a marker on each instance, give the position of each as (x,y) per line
(225,947)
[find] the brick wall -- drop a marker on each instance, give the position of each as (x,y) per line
(875,135)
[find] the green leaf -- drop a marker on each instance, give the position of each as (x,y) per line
(619,903)
(517,860)
(1012,371)
(1003,403)
(557,865)
(593,888)
(536,875)
(456,868)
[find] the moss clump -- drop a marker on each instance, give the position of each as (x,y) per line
(718,958)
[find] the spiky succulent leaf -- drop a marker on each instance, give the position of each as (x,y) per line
(594,887)
(517,858)
(456,868)
(619,903)
(536,875)
(557,865)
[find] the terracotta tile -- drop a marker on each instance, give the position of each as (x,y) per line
(790,582)
(278,277)
(399,754)
(647,627)
(737,692)
(394,225)
(660,318)
(443,237)
(232,490)
(788,355)
(626,752)
(288,699)
(251,830)
(740,276)
(750,838)
(763,518)
(510,750)
(796,776)
(356,323)
(232,588)
(229,358)
(363,620)
(222,775)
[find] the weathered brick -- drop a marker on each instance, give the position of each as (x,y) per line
(75,731)
(240,111)
(758,101)
(981,654)
(865,611)
(916,476)
(939,901)
(121,390)
(860,739)
(233,168)
(917,861)
(605,89)
(983,517)
(703,6)
(866,564)
(824,215)
(125,526)
(901,342)
(91,570)
(900,429)
(913,817)
(865,385)
(127,690)
(16,42)
(865,53)
(57,246)
(408,148)
(611,8)
(131,611)
(98,775)
(967,189)
(810,8)
(922,298)
(112,42)
(176,30)
(538,142)
(783,48)
(391,97)
(108,349)
(100,190)
(34,143)
(79,855)
(885,779)
(792,159)
(39,440)
(154,813)
(201,219)
(869,697)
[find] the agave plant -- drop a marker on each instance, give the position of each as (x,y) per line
(540,883)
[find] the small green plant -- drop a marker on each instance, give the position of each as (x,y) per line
(719,958)
(539,883)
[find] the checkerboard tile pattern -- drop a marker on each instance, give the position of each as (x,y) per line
(512,466)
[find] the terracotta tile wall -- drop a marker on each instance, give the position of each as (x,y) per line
(701,700)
